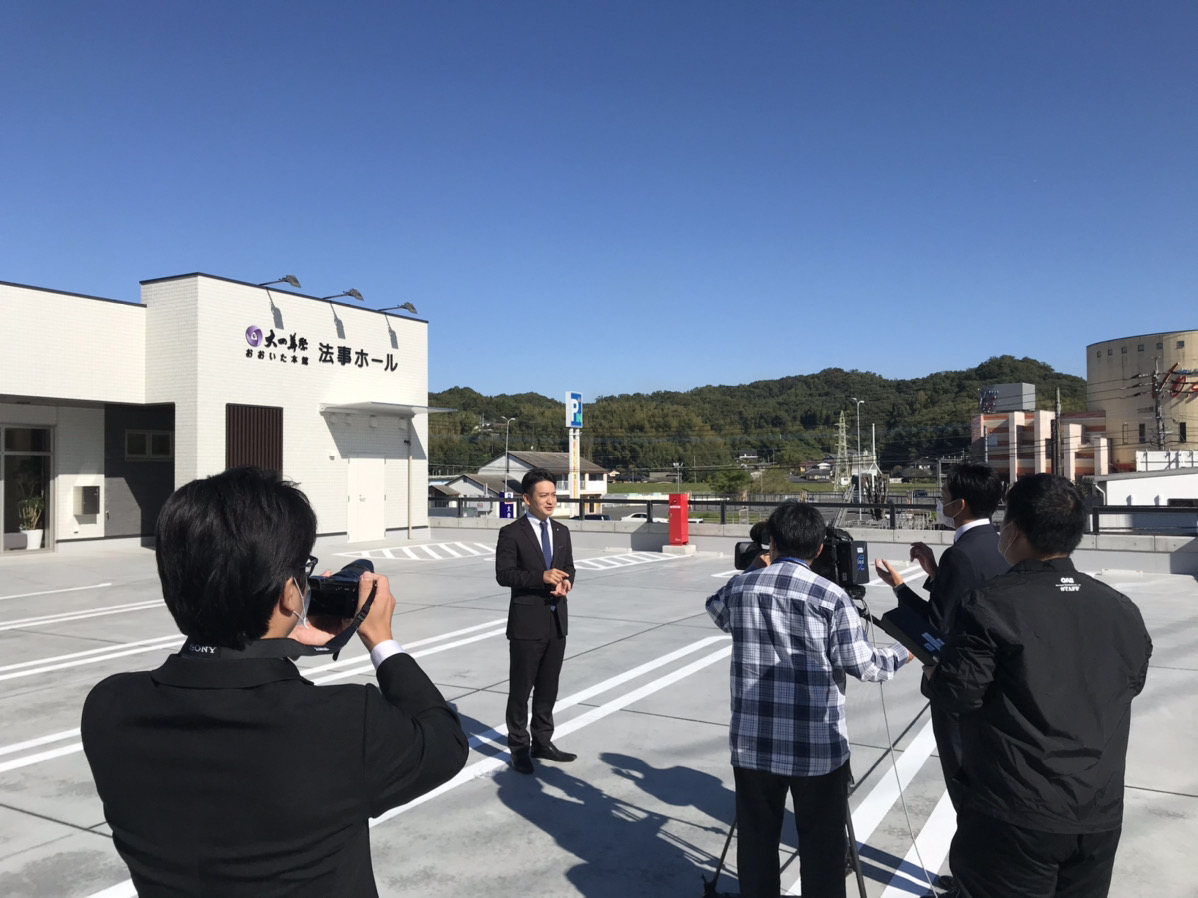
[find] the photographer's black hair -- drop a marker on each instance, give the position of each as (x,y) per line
(978,485)
(797,530)
(760,533)
(533,477)
(1049,512)
(226,547)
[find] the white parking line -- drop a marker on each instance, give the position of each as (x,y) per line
(131,648)
(79,615)
(881,798)
(99,651)
(425,552)
(53,592)
(931,845)
(40,740)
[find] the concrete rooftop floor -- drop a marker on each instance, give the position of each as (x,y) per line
(644,701)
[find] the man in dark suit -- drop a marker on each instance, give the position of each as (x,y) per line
(969,497)
(533,557)
(225,772)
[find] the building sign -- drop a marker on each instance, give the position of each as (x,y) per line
(293,350)
(574,410)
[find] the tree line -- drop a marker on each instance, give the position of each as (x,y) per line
(787,421)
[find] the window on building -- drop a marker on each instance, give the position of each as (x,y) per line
(1110,352)
(1124,440)
(1140,348)
(1160,345)
(1098,354)
(1181,344)
(1143,433)
(1123,350)
(1181,432)
(151,445)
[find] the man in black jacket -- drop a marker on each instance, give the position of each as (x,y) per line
(534,558)
(970,496)
(1042,667)
(225,772)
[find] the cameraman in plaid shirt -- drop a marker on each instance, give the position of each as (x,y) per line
(794,637)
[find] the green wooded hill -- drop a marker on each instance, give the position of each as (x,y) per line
(786,421)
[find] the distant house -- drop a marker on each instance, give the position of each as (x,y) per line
(592,479)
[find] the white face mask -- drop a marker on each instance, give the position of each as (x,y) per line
(1003,550)
(942,518)
(303,615)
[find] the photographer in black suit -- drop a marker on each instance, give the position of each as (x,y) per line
(534,558)
(224,772)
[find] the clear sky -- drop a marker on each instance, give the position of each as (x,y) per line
(626,196)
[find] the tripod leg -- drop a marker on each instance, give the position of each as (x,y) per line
(709,890)
(853,853)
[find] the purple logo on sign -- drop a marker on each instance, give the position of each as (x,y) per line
(253,335)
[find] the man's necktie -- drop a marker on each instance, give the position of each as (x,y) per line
(545,549)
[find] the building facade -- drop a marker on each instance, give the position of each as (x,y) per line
(114,405)
(1148,388)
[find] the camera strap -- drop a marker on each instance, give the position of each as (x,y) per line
(281,648)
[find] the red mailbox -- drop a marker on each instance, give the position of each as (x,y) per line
(679,522)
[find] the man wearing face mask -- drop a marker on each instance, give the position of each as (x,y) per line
(1042,666)
(224,772)
(970,496)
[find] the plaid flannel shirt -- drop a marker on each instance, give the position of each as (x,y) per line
(794,637)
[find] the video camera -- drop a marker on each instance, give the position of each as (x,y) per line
(844,560)
(337,594)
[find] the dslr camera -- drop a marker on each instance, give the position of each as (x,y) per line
(337,594)
(844,560)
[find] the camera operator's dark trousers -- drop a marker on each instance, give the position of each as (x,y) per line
(535,665)
(994,859)
(820,808)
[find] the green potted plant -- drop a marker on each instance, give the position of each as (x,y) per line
(30,507)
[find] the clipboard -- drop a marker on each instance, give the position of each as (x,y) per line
(914,631)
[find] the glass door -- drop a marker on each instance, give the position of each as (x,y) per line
(25,488)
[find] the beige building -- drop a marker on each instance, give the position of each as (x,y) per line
(124,402)
(1120,378)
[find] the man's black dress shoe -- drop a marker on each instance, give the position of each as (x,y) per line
(550,752)
(521,761)
(944,881)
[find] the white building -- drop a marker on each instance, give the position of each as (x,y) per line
(592,479)
(106,407)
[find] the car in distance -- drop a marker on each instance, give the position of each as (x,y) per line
(591,517)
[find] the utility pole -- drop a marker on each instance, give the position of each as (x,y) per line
(1058,454)
(507,459)
(859,402)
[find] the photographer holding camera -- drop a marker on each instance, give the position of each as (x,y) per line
(795,635)
(224,772)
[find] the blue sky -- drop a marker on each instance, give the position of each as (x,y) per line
(626,196)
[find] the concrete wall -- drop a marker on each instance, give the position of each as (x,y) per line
(1147,553)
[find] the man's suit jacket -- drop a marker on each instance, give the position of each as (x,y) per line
(967,564)
(520,564)
(238,777)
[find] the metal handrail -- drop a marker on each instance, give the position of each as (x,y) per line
(890,510)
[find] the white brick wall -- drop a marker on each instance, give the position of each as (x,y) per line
(196,357)
(186,345)
(61,345)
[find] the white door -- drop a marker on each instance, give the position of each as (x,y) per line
(364,519)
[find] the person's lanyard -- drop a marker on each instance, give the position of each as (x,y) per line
(281,648)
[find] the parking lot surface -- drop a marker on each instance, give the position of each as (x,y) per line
(644,811)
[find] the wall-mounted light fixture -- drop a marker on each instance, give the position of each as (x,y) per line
(354,293)
(407,307)
(290,279)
